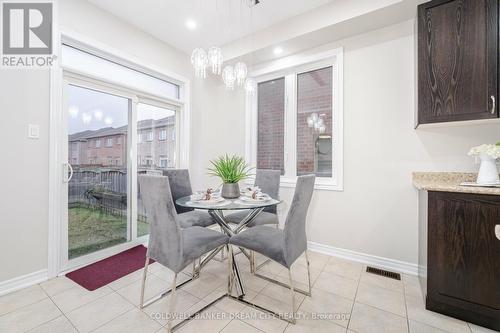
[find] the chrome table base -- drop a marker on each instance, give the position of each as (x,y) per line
(234,275)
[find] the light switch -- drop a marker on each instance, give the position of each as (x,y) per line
(33,131)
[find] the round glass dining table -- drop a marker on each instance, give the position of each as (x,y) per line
(217,210)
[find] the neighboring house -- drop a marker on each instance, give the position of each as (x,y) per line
(156,143)
(107,146)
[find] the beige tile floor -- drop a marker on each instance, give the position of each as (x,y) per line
(345,299)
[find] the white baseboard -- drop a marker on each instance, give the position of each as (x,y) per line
(23,281)
(380,262)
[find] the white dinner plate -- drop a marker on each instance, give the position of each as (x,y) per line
(258,200)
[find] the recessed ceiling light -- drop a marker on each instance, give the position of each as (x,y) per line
(277,50)
(191,24)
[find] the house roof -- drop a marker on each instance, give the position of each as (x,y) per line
(150,123)
(89,134)
(111,131)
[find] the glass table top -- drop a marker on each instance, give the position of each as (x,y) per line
(227,204)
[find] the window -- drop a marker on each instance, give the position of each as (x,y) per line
(271,125)
(98,143)
(162,135)
(163,162)
(314,122)
(109,142)
(149,136)
(140,137)
(296,121)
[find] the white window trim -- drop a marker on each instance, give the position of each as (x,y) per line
(289,68)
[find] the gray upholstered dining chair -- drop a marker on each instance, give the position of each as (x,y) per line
(282,246)
(180,186)
(169,244)
(269,182)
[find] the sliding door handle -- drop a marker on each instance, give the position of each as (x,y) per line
(67,167)
(493,104)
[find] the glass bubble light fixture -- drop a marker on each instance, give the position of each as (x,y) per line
(229,77)
(215,59)
(199,59)
(240,71)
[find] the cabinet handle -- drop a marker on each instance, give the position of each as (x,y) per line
(497,231)
(493,108)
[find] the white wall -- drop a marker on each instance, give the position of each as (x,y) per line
(218,127)
(377,211)
(24,99)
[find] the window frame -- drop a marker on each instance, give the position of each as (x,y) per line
(289,68)
(162,135)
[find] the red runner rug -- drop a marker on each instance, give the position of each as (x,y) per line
(101,273)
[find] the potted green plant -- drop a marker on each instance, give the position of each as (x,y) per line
(231,170)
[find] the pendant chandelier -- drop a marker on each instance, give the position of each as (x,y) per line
(213,58)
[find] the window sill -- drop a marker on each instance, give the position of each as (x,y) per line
(321,184)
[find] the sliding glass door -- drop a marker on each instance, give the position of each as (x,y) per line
(118,122)
(156,148)
(97,156)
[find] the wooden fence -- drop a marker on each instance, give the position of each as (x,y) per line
(104,189)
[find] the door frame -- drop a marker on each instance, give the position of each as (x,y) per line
(59,77)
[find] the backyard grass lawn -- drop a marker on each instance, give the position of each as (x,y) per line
(91,230)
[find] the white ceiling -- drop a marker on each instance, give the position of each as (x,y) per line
(219,21)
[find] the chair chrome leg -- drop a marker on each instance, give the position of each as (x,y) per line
(143,286)
(252,262)
(230,278)
(308,273)
(293,321)
(172,304)
(303,292)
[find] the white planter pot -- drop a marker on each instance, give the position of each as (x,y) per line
(488,172)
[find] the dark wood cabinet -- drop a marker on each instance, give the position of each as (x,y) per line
(463,257)
(457,60)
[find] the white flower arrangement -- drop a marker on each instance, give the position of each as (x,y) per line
(490,150)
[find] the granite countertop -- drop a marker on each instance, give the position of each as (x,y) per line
(450,182)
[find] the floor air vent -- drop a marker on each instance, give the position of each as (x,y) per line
(381,272)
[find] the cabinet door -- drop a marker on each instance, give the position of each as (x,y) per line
(464,252)
(457,60)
